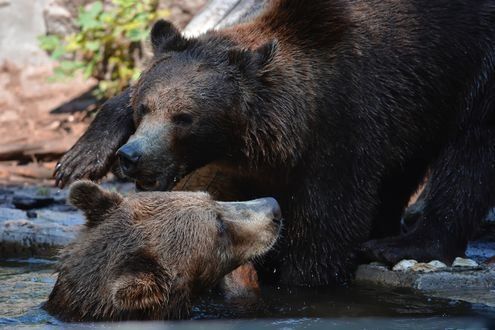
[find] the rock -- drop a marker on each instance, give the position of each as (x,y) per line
(29,201)
(413,265)
(404,265)
(378,264)
(58,19)
(432,266)
(469,285)
(31,214)
(11,214)
(461,262)
(423,267)
(21,22)
(41,236)
(437,264)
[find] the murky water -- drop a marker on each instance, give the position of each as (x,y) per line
(25,285)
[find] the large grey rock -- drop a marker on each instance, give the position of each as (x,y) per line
(472,285)
(41,231)
(43,235)
(59,19)
(21,22)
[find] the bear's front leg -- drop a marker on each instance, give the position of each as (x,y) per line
(458,196)
(93,154)
(241,284)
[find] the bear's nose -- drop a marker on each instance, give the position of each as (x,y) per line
(129,158)
(275,208)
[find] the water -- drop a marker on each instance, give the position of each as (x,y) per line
(25,285)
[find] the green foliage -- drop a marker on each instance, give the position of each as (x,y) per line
(109,43)
(43,191)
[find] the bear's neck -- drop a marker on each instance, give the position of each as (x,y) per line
(283,108)
(307,24)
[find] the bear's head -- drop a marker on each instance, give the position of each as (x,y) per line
(190,106)
(147,255)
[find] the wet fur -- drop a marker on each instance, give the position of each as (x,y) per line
(147,256)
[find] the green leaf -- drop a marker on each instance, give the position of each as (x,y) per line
(108,18)
(70,66)
(95,9)
(88,70)
(86,22)
(105,36)
(49,43)
(93,45)
(135,35)
(58,52)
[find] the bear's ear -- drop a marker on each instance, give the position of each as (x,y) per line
(258,60)
(142,285)
(166,37)
(93,201)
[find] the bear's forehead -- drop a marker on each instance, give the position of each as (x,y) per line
(180,73)
(166,208)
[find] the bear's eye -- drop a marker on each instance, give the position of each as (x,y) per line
(142,110)
(182,119)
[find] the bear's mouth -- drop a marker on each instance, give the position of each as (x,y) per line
(147,185)
(156,184)
(164,181)
(148,180)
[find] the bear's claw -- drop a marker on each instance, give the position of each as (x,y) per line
(78,164)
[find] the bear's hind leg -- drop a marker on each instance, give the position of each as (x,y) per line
(395,193)
(460,193)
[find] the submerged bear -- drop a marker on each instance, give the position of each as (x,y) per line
(335,108)
(147,255)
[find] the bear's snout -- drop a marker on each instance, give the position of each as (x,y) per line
(129,156)
(276,210)
(260,209)
(254,225)
(270,206)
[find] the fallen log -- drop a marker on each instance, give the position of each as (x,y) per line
(221,13)
(39,150)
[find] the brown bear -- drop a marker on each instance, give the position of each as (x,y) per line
(149,254)
(335,108)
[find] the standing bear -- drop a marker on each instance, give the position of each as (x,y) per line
(335,108)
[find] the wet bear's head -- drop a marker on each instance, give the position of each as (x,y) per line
(190,105)
(146,255)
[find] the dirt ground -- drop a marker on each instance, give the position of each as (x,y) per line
(40,120)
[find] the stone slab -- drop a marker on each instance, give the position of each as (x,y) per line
(39,236)
(474,285)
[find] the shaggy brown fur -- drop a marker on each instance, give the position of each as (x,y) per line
(148,255)
(336,108)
